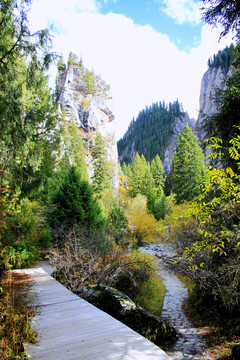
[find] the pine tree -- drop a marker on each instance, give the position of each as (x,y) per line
(72,58)
(80,65)
(151,199)
(147,180)
(61,65)
(140,177)
(158,175)
(28,136)
(101,175)
(75,204)
(126,168)
(73,150)
(90,82)
(226,13)
(156,205)
(28,117)
(161,208)
(188,166)
(136,177)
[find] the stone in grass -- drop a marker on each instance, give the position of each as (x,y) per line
(121,307)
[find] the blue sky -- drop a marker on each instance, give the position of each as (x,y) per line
(147,51)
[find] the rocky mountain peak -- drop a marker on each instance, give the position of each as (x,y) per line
(85,98)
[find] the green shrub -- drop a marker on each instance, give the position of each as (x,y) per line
(117,219)
(24,225)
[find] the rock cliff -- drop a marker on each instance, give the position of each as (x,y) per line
(214,79)
(86,99)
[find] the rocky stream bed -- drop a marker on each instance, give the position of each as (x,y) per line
(190,344)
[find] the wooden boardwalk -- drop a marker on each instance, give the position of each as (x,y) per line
(69,328)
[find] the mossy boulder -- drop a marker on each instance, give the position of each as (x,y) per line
(121,307)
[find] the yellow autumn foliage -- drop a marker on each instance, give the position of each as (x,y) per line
(143,227)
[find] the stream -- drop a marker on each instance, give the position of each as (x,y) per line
(190,343)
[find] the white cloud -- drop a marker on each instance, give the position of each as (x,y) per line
(45,12)
(141,65)
(182,11)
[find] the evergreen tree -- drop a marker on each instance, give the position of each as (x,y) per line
(188,166)
(156,205)
(117,219)
(158,175)
(147,179)
(72,58)
(28,136)
(161,208)
(223,59)
(75,204)
(151,199)
(80,65)
(126,168)
(136,177)
(73,155)
(101,175)
(28,117)
(90,82)
(227,13)
(61,65)
(140,177)
(73,150)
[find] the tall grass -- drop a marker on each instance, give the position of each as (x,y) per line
(151,296)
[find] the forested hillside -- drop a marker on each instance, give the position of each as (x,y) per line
(223,58)
(150,133)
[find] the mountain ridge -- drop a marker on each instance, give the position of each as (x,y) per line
(213,80)
(154,132)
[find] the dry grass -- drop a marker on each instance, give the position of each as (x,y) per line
(15,315)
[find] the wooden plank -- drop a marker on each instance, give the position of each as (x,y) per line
(69,328)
